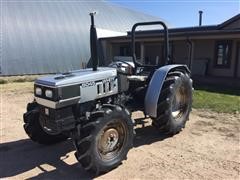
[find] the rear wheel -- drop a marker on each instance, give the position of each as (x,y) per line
(105,139)
(175,102)
(35,131)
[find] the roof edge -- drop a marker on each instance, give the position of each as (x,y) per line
(229,21)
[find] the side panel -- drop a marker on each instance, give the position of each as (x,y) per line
(155,86)
(100,89)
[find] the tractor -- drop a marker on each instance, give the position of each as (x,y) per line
(93,106)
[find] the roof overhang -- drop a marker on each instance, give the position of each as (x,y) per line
(213,34)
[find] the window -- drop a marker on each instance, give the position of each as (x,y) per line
(223,53)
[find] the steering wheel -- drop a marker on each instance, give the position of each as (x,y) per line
(125,62)
(119,63)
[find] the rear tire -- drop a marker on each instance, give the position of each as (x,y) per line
(174,104)
(35,131)
(105,139)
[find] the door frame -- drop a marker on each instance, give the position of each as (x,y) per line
(237,59)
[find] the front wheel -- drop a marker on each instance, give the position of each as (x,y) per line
(175,103)
(34,129)
(105,139)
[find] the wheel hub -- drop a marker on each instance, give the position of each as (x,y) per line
(109,140)
(179,103)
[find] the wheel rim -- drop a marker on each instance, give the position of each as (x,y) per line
(179,102)
(111,140)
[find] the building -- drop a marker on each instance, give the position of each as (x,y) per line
(209,51)
(53,36)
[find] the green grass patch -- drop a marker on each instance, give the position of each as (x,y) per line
(219,100)
(3,81)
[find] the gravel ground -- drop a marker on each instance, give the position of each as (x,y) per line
(208,148)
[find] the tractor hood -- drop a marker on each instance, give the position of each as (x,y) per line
(75,77)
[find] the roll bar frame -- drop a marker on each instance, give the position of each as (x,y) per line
(166,42)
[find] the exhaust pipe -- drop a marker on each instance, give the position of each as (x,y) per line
(93,43)
(200,18)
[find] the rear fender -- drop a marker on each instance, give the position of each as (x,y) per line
(155,86)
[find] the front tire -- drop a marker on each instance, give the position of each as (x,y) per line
(35,131)
(175,103)
(105,139)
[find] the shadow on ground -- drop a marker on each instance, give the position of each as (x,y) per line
(147,134)
(18,157)
(24,155)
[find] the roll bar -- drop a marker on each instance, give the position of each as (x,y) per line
(166,42)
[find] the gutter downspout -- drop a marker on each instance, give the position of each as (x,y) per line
(190,53)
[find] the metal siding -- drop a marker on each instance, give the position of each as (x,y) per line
(48,37)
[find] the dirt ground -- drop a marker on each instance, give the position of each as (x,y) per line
(208,148)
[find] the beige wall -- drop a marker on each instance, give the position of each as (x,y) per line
(204,49)
(180,52)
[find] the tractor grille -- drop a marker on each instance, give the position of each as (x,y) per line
(49,124)
(57,120)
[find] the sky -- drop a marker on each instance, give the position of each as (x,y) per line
(184,13)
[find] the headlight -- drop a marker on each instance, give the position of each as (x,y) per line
(49,93)
(38,91)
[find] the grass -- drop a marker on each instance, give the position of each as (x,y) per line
(216,99)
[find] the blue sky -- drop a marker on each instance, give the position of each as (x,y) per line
(182,13)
